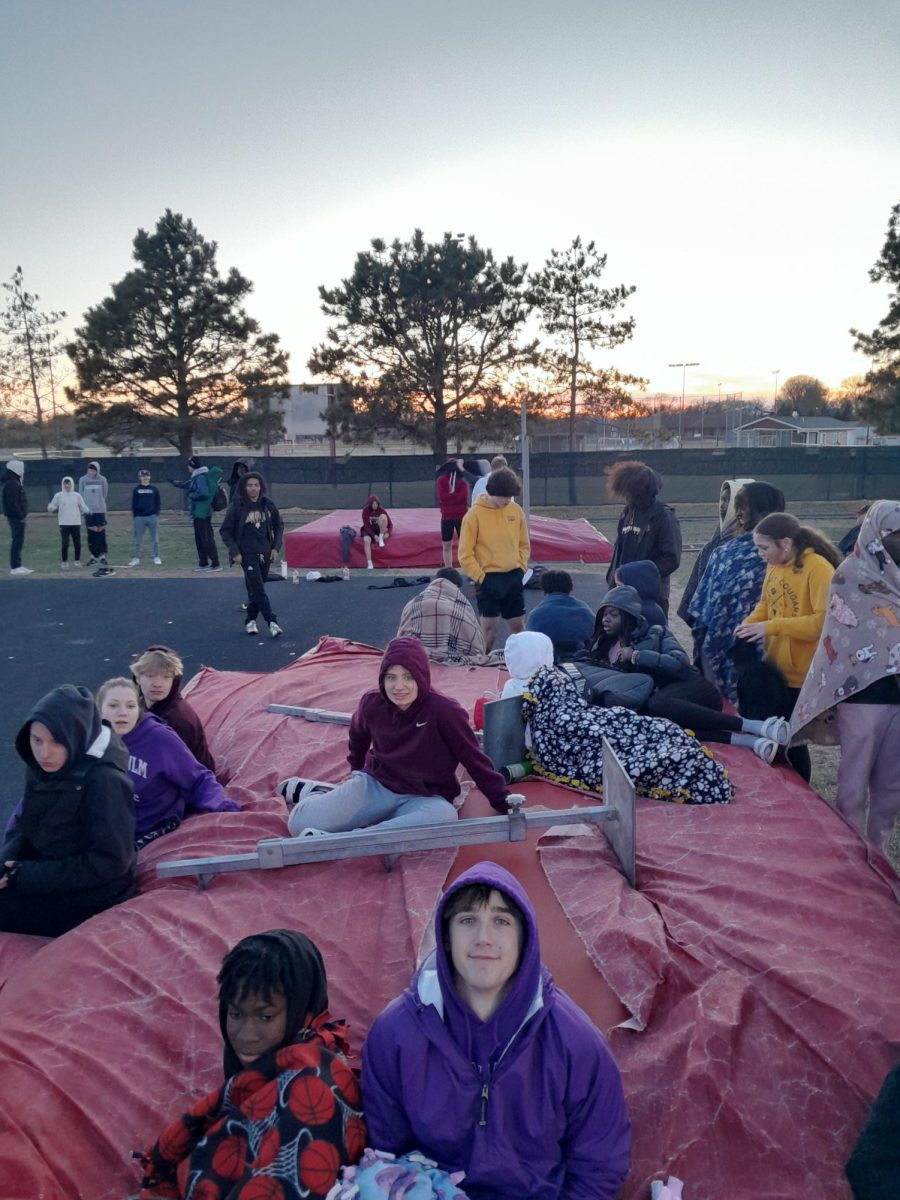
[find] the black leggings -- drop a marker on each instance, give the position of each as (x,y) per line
(696,704)
(256,572)
(74,532)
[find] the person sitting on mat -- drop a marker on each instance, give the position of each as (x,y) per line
(377,526)
(567,621)
(158,672)
(484,1065)
(623,640)
(69,853)
(288,1114)
(443,620)
(406,742)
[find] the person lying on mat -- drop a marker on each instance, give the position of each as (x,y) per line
(623,640)
(69,853)
(406,742)
(484,1065)
(288,1113)
(158,672)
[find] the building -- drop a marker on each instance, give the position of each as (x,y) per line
(799,431)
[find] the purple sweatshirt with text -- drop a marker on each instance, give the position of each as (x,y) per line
(167,779)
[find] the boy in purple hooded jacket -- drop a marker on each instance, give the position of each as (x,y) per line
(406,742)
(486,1067)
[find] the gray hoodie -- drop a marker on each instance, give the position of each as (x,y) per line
(93,490)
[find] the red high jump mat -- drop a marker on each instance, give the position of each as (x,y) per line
(416,541)
(748,986)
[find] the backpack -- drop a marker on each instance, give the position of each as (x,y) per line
(219,500)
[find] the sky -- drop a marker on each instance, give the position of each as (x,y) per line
(737,162)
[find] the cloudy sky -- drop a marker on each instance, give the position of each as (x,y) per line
(737,161)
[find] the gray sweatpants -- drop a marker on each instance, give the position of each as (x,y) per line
(362,802)
(869,736)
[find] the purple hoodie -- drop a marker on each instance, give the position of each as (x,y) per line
(528,1103)
(415,752)
(167,778)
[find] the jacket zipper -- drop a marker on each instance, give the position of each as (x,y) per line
(485,1090)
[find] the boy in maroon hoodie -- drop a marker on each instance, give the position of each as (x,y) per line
(406,742)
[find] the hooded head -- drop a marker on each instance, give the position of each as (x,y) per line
(503,959)
(279,965)
(525,653)
(757,500)
(71,717)
(16,466)
(195,462)
(644,577)
(727,496)
(405,657)
(625,599)
(241,490)
(94,466)
(67,479)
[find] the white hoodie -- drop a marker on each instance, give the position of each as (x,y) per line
(68,505)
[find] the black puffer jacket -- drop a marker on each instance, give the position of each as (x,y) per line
(15,498)
(75,833)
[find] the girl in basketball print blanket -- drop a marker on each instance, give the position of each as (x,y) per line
(287,1117)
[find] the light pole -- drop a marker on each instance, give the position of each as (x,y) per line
(684,366)
(776,374)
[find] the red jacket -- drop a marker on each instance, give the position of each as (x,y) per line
(453,495)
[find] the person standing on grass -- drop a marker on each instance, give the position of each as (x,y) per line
(453,502)
(647,529)
(201,487)
(252,530)
(493,550)
(93,489)
(70,508)
(15,509)
(145,506)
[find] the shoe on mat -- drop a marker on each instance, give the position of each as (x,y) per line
(275,629)
(157,562)
(369,567)
(21,571)
(381,541)
(134,562)
(776,729)
(251,627)
(297,788)
(765,749)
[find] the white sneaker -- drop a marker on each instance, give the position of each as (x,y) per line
(776,729)
(64,566)
(345,573)
(251,627)
(135,562)
(76,563)
(275,630)
(369,567)
(765,749)
(157,562)
(21,571)
(381,541)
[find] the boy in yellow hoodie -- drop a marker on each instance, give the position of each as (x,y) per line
(493,550)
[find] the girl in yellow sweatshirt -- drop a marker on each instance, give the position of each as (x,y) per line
(791,609)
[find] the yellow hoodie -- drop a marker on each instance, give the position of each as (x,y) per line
(792,607)
(493,539)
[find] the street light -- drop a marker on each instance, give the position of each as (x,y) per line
(684,366)
(776,374)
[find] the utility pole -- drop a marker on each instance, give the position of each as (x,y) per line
(684,366)
(775,401)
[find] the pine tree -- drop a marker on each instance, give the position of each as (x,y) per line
(30,347)
(881,404)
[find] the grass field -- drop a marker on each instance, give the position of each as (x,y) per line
(179,557)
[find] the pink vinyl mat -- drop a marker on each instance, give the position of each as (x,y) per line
(748,986)
(416,541)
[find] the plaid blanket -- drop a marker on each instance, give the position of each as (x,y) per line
(443,620)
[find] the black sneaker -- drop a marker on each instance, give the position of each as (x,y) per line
(92,561)
(104,572)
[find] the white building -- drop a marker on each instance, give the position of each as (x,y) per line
(800,431)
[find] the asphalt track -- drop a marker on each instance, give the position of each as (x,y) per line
(83,630)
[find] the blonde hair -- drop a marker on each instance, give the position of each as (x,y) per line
(499,460)
(151,662)
(119,682)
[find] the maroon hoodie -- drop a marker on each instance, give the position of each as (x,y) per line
(370,514)
(416,752)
